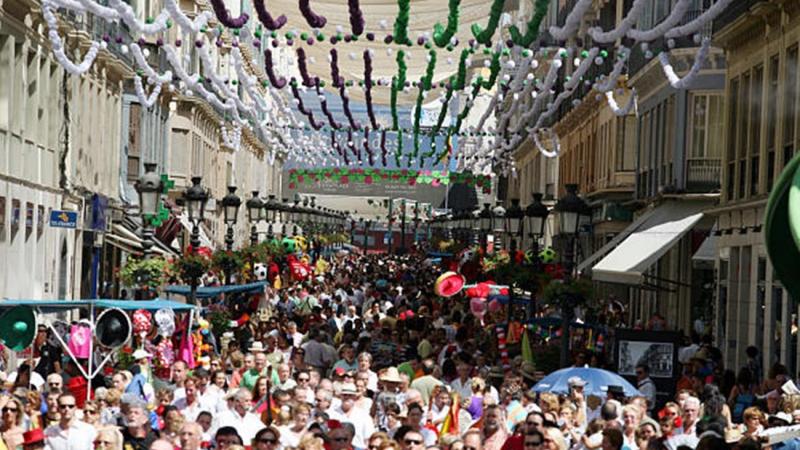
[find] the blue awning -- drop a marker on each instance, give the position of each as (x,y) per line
(128,305)
(208,292)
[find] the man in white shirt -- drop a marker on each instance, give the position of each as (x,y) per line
(190,405)
(646,386)
(463,384)
(69,433)
(239,416)
(360,419)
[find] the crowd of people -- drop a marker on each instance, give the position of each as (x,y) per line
(365,356)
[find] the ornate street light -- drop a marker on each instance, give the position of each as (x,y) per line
(230,207)
(535,220)
(195,198)
(514,222)
(570,208)
(272,209)
(149,187)
(255,214)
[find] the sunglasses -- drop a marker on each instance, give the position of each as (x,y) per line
(99,443)
(303,380)
(7,409)
(68,406)
(412,441)
(267,440)
(341,439)
(90,411)
(533,444)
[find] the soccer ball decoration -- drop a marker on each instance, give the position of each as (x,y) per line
(289,245)
(548,255)
(260,271)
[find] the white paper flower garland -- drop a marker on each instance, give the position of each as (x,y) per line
(58,45)
(682,83)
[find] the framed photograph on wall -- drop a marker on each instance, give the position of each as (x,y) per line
(657,349)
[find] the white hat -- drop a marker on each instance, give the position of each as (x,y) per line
(141,354)
(348,389)
(576,382)
(257,347)
(786,417)
(391,375)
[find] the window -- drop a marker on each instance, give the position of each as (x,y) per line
(733,118)
(790,103)
(772,113)
(755,127)
(134,143)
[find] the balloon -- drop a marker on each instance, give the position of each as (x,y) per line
(494,306)
(477,306)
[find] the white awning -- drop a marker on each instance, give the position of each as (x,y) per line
(129,241)
(708,250)
(588,263)
(668,223)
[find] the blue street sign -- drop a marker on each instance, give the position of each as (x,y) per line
(63,219)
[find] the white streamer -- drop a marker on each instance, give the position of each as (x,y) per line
(183,21)
(58,45)
(147,101)
(701,20)
(612,103)
(674,18)
(141,62)
(604,37)
(682,83)
(611,81)
(545,152)
(572,22)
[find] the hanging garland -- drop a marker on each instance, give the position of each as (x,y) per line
(336,80)
(424,85)
(384,151)
(572,22)
(682,83)
(370,153)
(443,37)
(401,24)
(301,107)
(398,154)
(443,111)
(368,88)
(274,80)
(356,17)
(461,75)
(147,101)
(266,18)
(58,45)
(323,103)
(301,65)
(388,176)
(532,31)
(314,20)
(346,107)
(224,16)
(398,83)
(494,71)
(484,36)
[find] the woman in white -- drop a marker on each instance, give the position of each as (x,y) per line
(291,433)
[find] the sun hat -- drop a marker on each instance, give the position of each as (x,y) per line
(391,375)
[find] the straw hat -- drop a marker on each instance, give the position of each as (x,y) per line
(391,375)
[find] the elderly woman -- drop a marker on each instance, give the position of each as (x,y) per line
(753,421)
(293,431)
(11,425)
(630,421)
(108,438)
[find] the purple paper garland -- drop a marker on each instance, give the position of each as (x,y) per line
(275,80)
(346,107)
(302,108)
(352,146)
(335,144)
(356,17)
(370,153)
(336,80)
(368,89)
(314,20)
(301,65)
(266,18)
(383,148)
(225,18)
(323,103)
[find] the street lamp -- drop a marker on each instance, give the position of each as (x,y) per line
(149,186)
(514,222)
(195,198)
(498,224)
(255,214)
(272,209)
(230,207)
(535,219)
(485,224)
(570,208)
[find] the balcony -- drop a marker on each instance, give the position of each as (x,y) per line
(733,12)
(703,175)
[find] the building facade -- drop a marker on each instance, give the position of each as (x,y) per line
(760,133)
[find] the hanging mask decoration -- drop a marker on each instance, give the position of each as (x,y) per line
(142,322)
(289,245)
(165,321)
(260,271)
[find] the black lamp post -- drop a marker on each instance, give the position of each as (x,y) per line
(485,224)
(255,214)
(535,220)
(286,209)
(149,187)
(498,225)
(195,198)
(230,207)
(514,222)
(570,208)
(272,209)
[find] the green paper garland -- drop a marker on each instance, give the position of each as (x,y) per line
(398,156)
(494,70)
(401,23)
(398,83)
(442,35)
(425,84)
(461,76)
(485,36)
(443,112)
(532,31)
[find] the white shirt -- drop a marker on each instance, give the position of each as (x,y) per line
(360,419)
(247,425)
(648,389)
(464,389)
(79,436)
(36,379)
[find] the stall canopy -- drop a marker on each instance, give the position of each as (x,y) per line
(128,305)
(208,292)
(648,241)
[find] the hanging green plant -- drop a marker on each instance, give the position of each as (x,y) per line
(441,35)
(227,262)
(484,36)
(401,23)
(567,294)
(192,266)
(532,29)
(144,273)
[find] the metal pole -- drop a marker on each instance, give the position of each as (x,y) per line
(566,308)
(403,229)
(195,242)
(391,231)
(253,234)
